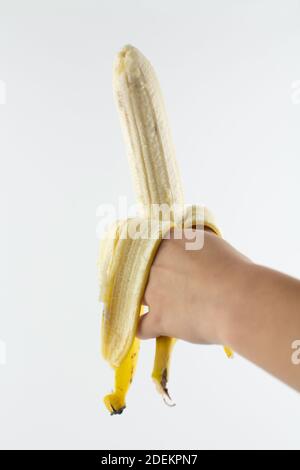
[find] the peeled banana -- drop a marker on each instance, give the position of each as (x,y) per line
(128,248)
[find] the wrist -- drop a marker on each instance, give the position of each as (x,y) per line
(239,288)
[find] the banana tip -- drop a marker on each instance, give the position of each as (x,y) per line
(122,56)
(161,386)
(228,351)
(114,403)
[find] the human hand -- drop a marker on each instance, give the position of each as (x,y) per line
(189,293)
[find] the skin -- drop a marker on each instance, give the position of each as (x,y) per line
(216,295)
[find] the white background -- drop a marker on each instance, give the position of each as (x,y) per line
(227,70)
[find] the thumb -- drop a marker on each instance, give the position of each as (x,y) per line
(147,327)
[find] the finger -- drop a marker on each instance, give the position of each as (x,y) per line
(146,299)
(150,286)
(147,327)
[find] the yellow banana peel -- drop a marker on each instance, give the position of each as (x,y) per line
(125,260)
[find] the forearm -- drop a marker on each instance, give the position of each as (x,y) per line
(216,295)
(262,321)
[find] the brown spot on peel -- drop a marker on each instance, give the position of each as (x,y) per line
(163,383)
(117,412)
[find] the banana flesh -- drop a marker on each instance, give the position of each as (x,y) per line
(129,246)
(146,132)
